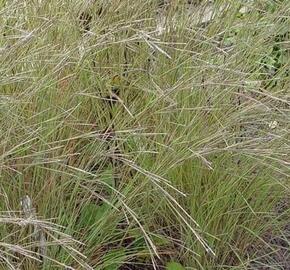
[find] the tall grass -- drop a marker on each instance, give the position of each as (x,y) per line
(136,133)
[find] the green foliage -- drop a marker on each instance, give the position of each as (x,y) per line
(91,214)
(140,128)
(174,266)
(114,259)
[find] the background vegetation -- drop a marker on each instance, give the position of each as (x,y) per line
(144,134)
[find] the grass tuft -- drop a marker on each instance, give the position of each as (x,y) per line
(144,134)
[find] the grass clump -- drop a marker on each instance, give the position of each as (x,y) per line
(143,135)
